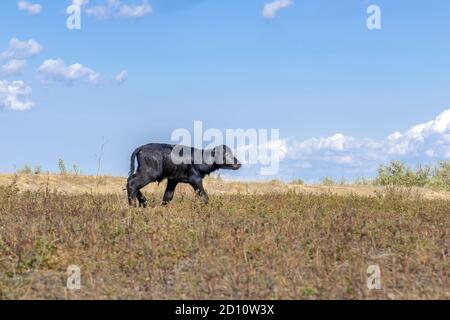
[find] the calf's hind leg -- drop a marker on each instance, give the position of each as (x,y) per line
(135,183)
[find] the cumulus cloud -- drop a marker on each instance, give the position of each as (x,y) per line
(423,141)
(114,8)
(434,136)
(263,152)
(271,8)
(121,77)
(13,67)
(21,49)
(15,95)
(31,9)
(55,70)
(341,155)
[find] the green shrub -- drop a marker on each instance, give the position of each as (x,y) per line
(62,167)
(398,173)
(25,170)
(363,181)
(441,176)
(327,181)
(298,181)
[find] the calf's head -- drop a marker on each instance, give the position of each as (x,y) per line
(224,158)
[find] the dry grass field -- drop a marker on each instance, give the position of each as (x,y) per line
(253,241)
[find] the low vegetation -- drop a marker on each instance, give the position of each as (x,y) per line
(396,173)
(400,174)
(37,169)
(243,245)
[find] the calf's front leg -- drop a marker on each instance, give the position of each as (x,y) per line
(197,184)
(170,190)
(142,199)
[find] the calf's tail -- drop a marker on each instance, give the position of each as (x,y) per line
(133,160)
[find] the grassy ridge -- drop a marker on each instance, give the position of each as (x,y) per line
(78,184)
(275,245)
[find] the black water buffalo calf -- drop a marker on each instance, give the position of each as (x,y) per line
(175,163)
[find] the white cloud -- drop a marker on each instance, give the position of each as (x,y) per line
(135,11)
(21,49)
(13,67)
(430,139)
(341,155)
(271,8)
(114,8)
(121,77)
(55,70)
(99,12)
(436,131)
(32,9)
(15,95)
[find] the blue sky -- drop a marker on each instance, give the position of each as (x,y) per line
(337,91)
